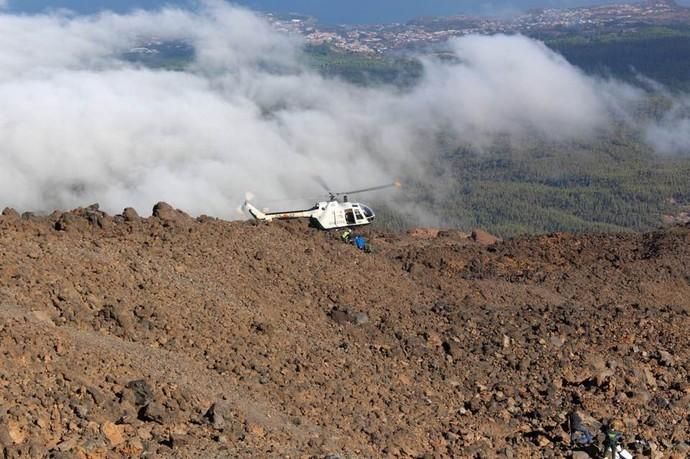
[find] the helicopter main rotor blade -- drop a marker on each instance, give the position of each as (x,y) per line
(318,179)
(395,184)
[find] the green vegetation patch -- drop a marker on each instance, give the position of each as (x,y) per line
(610,185)
(364,69)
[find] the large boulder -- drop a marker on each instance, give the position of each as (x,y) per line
(81,218)
(484,238)
(131,215)
(10,214)
(168,214)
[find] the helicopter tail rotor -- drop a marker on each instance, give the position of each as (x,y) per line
(246,205)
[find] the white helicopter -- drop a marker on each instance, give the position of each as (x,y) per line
(326,215)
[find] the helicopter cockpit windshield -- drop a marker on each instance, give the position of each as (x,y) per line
(368,213)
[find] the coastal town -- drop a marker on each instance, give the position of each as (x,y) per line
(542,23)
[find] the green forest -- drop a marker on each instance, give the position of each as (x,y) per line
(362,69)
(608,185)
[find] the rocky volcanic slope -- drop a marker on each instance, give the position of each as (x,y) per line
(176,337)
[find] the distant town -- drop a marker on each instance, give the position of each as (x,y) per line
(543,23)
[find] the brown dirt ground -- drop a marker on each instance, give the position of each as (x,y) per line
(170,336)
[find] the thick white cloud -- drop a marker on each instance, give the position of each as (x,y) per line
(671,135)
(512,85)
(79,124)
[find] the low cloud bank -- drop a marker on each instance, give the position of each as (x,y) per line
(671,135)
(80,124)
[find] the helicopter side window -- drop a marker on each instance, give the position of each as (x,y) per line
(350,217)
(358,215)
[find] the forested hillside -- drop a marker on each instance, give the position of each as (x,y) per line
(660,53)
(609,185)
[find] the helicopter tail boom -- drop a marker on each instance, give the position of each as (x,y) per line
(269,216)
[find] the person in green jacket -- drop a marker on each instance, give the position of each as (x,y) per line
(346,236)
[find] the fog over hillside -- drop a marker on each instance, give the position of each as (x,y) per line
(81,124)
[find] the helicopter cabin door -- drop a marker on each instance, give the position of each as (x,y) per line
(349,216)
(333,217)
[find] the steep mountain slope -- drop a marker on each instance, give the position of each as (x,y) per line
(205,338)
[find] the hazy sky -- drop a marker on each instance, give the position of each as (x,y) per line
(328,11)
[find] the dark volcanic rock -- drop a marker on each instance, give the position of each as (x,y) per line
(130,215)
(222,416)
(340,316)
(483,238)
(10,213)
(154,412)
(141,392)
(168,214)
